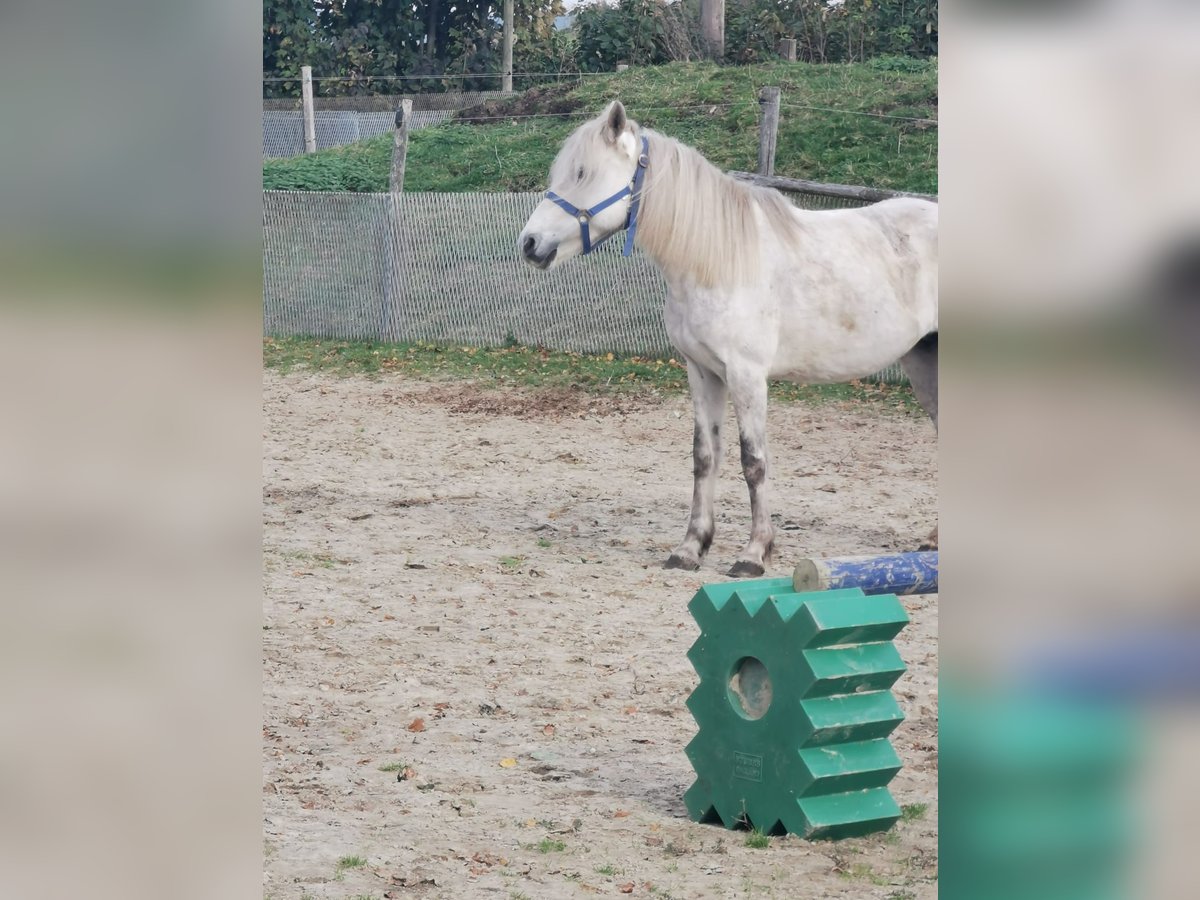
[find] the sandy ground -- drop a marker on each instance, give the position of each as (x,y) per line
(474,669)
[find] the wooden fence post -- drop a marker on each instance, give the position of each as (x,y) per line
(310,125)
(787,49)
(506,79)
(400,146)
(393,226)
(768,130)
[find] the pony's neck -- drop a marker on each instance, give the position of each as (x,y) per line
(696,223)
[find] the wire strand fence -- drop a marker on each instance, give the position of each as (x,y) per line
(339,121)
(444,268)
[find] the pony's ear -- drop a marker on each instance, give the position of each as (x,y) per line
(614,121)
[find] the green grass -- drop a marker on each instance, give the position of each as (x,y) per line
(393,766)
(863,872)
(550,845)
(757,840)
(910,812)
(713,108)
(322,560)
(502,367)
(350,862)
(608,869)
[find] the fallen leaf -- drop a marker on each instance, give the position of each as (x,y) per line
(441,706)
(620,814)
(507,763)
(417,724)
(406,773)
(489,859)
(630,710)
(626,888)
(413,879)
(548,730)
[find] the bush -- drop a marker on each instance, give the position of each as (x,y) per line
(638,32)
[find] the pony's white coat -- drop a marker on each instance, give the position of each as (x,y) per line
(757,289)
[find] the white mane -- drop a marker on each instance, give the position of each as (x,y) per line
(697,221)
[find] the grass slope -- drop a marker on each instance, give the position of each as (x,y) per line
(713,108)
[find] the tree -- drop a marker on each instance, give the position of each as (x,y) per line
(712,28)
(358,39)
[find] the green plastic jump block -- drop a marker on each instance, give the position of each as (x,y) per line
(794,709)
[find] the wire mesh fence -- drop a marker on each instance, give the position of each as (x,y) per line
(283,131)
(444,268)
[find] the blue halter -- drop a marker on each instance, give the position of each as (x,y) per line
(584,216)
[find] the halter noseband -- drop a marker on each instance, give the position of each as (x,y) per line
(584,216)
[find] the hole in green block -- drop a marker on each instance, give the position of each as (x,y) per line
(750,688)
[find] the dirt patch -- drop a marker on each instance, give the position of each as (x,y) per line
(543,404)
(550,99)
(474,664)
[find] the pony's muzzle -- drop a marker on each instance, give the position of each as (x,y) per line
(535,254)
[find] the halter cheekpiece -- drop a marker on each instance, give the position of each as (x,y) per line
(584,216)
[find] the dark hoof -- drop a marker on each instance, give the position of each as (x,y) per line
(745,569)
(675,561)
(931,542)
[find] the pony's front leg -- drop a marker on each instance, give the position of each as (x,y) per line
(749,392)
(708,402)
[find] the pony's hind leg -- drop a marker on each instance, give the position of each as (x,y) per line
(708,401)
(749,391)
(920,364)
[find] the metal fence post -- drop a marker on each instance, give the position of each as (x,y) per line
(768,130)
(310,124)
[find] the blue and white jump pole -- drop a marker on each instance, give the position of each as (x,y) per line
(899,573)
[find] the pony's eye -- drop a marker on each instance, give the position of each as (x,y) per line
(579,174)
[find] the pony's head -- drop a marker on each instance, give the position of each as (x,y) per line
(596,163)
